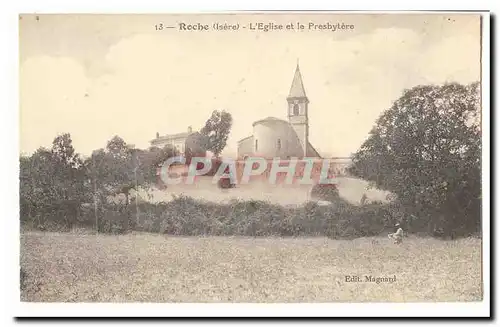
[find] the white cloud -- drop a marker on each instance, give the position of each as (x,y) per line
(166,84)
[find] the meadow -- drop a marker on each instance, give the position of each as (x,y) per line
(142,267)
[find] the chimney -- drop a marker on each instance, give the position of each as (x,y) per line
(190,129)
(157,135)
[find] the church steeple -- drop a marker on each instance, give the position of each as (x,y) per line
(297,89)
(298,104)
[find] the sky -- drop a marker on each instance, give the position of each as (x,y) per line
(96,76)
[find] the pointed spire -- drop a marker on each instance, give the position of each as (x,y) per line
(297,89)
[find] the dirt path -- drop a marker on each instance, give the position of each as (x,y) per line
(350,189)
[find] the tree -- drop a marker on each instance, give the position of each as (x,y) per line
(426,149)
(118,148)
(52,184)
(120,168)
(64,152)
(68,166)
(120,161)
(151,160)
(216,131)
(55,182)
(36,183)
(196,146)
(97,167)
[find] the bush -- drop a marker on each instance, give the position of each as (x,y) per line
(189,217)
(326,192)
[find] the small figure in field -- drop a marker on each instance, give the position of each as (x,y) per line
(398,236)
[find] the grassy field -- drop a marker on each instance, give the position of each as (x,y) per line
(155,268)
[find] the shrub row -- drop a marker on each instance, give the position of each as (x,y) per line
(189,217)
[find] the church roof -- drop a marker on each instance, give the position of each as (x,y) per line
(297,89)
(311,151)
(269,119)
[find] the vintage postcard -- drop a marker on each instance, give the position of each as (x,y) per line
(251,157)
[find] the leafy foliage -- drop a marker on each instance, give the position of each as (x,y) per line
(120,168)
(52,184)
(189,217)
(196,146)
(56,183)
(426,149)
(152,159)
(216,131)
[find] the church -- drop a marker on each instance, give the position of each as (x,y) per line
(277,138)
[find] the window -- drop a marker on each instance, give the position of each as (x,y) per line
(296,109)
(278,145)
(256,145)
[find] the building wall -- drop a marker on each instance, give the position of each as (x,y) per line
(179,144)
(245,147)
(276,139)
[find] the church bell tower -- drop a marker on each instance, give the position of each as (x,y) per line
(298,110)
